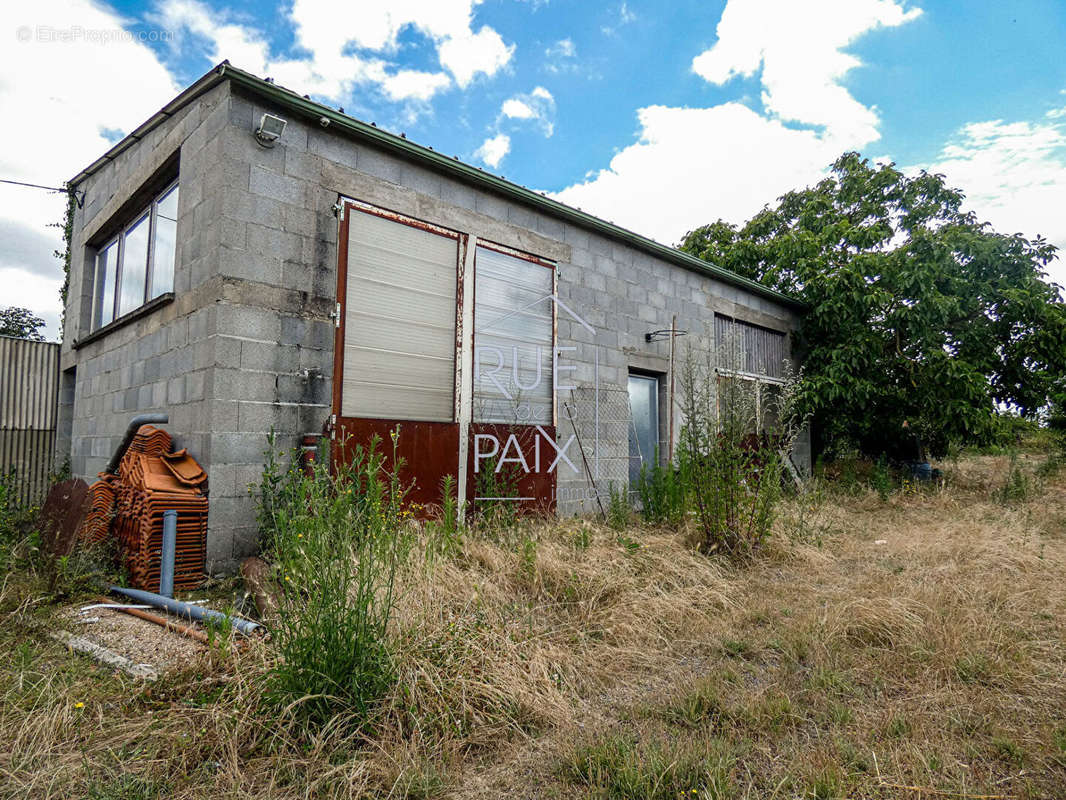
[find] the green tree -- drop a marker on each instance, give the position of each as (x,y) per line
(918,311)
(21,323)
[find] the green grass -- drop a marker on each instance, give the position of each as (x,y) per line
(619,768)
(337,542)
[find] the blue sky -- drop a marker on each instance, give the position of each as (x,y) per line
(658,116)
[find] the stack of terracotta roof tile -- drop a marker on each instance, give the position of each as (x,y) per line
(150,441)
(152,480)
(97,523)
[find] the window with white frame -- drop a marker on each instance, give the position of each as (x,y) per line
(137,264)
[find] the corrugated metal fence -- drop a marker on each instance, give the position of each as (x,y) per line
(29,394)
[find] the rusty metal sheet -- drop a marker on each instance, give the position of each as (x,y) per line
(537,485)
(62,515)
(429,450)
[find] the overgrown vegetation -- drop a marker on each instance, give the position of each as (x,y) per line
(730,453)
(494,484)
(336,543)
(621,768)
(25,561)
(907,640)
(661,490)
(19,540)
(917,310)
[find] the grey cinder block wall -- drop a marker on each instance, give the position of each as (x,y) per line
(246,344)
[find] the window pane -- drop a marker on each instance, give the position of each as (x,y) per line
(104,301)
(644,424)
(134,264)
(165,235)
(512,340)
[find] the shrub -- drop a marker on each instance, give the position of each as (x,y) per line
(336,541)
(881,479)
(729,453)
(1018,484)
(618,510)
(18,538)
(445,533)
(661,490)
(493,484)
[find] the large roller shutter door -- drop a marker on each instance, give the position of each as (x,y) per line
(513,340)
(399,332)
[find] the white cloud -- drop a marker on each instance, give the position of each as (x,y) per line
(408,84)
(564,48)
(623,17)
(694,165)
(354,45)
(1014,176)
(493,150)
(691,166)
(799,47)
(38,293)
(561,56)
(53,85)
(537,106)
(517,109)
(472,54)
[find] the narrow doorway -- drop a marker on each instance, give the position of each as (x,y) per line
(644,423)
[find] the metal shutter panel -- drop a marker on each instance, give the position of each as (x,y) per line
(399,323)
(513,312)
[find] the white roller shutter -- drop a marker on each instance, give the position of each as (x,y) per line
(513,324)
(399,321)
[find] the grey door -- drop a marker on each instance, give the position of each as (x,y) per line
(643,424)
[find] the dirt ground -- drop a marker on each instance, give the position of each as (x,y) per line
(141,641)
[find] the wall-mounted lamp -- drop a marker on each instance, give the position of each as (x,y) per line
(269,130)
(665,333)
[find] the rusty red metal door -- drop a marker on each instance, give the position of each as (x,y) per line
(427,449)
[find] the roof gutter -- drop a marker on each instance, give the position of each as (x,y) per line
(452,166)
(208,81)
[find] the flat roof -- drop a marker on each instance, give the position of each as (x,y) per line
(405,148)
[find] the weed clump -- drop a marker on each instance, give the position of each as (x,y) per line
(19,538)
(336,539)
(1018,485)
(731,451)
(662,494)
(618,767)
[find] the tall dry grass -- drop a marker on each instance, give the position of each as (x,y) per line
(913,642)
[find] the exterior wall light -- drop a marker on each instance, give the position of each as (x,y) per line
(269,130)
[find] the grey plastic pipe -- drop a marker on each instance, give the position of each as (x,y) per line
(166,557)
(131,431)
(189,611)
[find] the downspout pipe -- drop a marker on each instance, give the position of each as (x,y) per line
(131,431)
(190,611)
(166,558)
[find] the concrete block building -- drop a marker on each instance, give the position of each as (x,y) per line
(249,260)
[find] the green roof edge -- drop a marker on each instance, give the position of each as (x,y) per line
(452,166)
